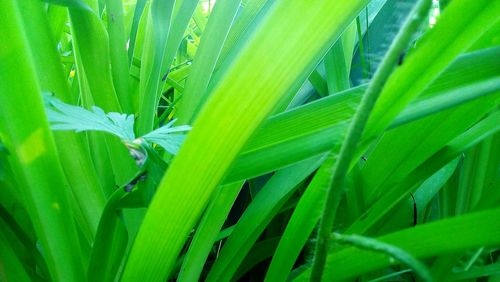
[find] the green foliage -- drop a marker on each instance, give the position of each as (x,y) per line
(68,117)
(395,252)
(276,100)
(3,152)
(63,116)
(166,136)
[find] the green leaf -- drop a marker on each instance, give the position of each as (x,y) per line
(277,190)
(245,95)
(26,133)
(423,196)
(166,138)
(476,272)
(110,241)
(74,155)
(78,4)
(395,252)
(490,194)
(12,267)
(208,52)
(314,128)
(446,154)
(261,251)
(377,38)
(138,12)
(68,117)
(159,19)
(455,234)
(462,23)
(207,231)
(300,226)
(354,134)
(416,142)
(246,21)
(337,71)
(119,56)
(92,56)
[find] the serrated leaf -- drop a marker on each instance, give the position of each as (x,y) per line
(163,136)
(63,116)
(171,142)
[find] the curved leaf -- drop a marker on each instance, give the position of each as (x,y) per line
(455,234)
(243,98)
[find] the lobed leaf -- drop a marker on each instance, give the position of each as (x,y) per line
(68,117)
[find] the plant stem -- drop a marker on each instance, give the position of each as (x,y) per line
(356,129)
(395,252)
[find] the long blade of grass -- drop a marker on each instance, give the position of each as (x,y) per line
(371,244)
(476,272)
(355,132)
(75,158)
(208,52)
(261,251)
(449,152)
(119,56)
(249,14)
(376,40)
(243,98)
(110,241)
(421,140)
(257,216)
(96,83)
(281,140)
(460,96)
(12,267)
(301,224)
(475,230)
(207,231)
(31,145)
(491,190)
(172,26)
(319,83)
(138,12)
(183,12)
(337,73)
(135,60)
(57,17)
(88,32)
(22,240)
(199,18)
(157,32)
(406,215)
(458,28)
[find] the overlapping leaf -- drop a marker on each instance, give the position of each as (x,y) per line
(68,117)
